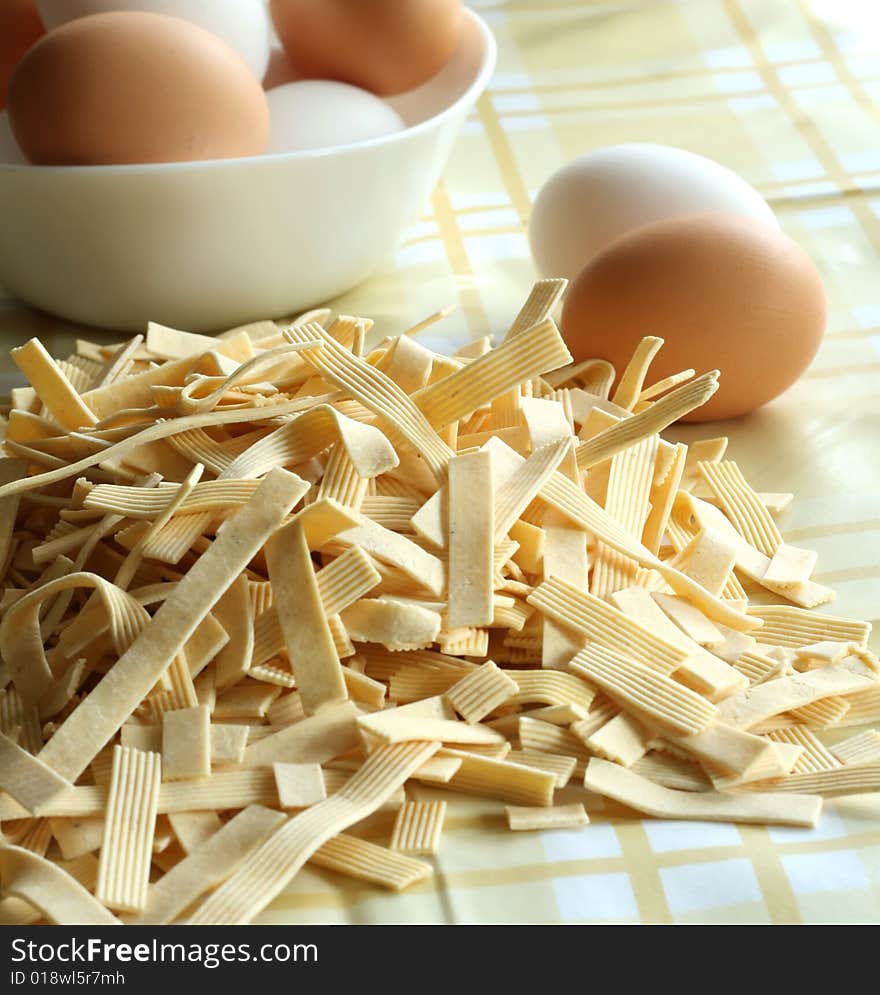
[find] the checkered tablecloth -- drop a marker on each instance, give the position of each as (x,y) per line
(786,93)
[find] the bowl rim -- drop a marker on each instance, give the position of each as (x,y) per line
(474,89)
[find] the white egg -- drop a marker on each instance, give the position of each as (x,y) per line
(10,153)
(243,24)
(318,114)
(604,194)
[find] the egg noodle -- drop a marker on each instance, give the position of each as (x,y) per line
(261,586)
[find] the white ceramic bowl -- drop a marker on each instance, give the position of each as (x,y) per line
(209,245)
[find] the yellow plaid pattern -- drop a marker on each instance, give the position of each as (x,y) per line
(786,93)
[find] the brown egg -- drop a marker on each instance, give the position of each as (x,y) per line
(725,293)
(386,46)
(127,87)
(20,27)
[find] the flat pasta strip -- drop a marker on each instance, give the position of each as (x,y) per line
(396,725)
(25,777)
(52,387)
(95,721)
(315,739)
(46,886)
(306,633)
(520,818)
(640,794)
(621,740)
(515,783)
(425,569)
(208,865)
(747,708)
(418,827)
(186,743)
(632,379)
(395,625)
(132,805)
(563,767)
(471,540)
(266,871)
(299,785)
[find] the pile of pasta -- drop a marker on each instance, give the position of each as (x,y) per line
(255,586)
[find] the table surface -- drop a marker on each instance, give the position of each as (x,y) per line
(787,94)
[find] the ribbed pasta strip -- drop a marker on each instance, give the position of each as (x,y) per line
(857,779)
(742,505)
(816,755)
(418,827)
(484,379)
(604,624)
(647,692)
(378,393)
(543,297)
(550,687)
(267,870)
(863,707)
(662,495)
(517,492)
(341,481)
(198,446)
(629,486)
(757,667)
(480,692)
(126,853)
(366,861)
(389,511)
(545,737)
(863,748)
(647,422)
(784,625)
(154,433)
(143,503)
